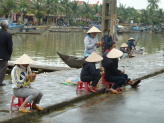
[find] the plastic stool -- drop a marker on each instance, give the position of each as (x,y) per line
(20,101)
(103,80)
(108,86)
(81,87)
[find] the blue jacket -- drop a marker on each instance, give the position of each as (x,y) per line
(130,44)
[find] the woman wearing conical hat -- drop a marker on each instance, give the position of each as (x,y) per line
(21,78)
(126,54)
(130,43)
(91,41)
(112,74)
(89,72)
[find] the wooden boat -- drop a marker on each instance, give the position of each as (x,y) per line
(33,30)
(137,29)
(159,29)
(72,61)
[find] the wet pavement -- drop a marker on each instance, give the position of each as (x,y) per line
(56,94)
(141,105)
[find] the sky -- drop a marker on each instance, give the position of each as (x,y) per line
(137,4)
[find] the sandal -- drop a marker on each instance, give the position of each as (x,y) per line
(136,83)
(94,91)
(24,110)
(38,108)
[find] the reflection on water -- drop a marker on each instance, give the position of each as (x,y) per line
(42,48)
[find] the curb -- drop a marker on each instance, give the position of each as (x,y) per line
(25,117)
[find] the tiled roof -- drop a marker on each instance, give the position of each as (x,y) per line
(79,2)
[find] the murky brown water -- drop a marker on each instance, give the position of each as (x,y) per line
(42,48)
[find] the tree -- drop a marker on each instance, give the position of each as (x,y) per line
(75,10)
(153,4)
(7,6)
(37,7)
(67,5)
(87,10)
(51,7)
(23,7)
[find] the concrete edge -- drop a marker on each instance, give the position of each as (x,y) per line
(35,113)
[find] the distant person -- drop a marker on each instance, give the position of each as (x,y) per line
(6,48)
(91,41)
(130,43)
(21,78)
(112,74)
(111,45)
(89,72)
(126,54)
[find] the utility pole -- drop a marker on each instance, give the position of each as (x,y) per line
(112,17)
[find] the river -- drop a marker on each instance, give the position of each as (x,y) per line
(43,48)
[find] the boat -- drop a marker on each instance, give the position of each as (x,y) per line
(137,29)
(159,29)
(33,30)
(13,27)
(123,29)
(72,61)
(93,24)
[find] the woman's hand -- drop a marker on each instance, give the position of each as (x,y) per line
(122,72)
(102,68)
(97,43)
(31,76)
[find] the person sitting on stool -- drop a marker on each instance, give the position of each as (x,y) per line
(21,78)
(112,74)
(89,72)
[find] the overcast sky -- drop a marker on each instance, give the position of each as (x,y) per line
(137,4)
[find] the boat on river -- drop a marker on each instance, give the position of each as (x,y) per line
(137,29)
(123,29)
(72,61)
(13,28)
(77,62)
(159,29)
(33,30)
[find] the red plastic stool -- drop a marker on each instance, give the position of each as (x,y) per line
(103,80)
(108,86)
(20,101)
(81,87)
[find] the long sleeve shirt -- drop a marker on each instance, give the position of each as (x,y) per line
(111,69)
(90,69)
(18,75)
(123,50)
(89,43)
(6,45)
(130,44)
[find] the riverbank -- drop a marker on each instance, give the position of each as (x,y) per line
(57,95)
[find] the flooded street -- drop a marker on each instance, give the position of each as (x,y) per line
(42,48)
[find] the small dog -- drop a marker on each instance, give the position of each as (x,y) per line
(139,51)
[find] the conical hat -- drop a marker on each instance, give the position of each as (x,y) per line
(94,29)
(131,39)
(124,45)
(114,53)
(94,57)
(24,59)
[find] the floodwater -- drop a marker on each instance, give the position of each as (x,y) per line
(43,48)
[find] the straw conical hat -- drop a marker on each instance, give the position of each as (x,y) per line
(94,57)
(24,59)
(131,39)
(124,45)
(114,53)
(94,29)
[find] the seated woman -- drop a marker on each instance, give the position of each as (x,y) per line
(89,72)
(21,78)
(112,74)
(126,54)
